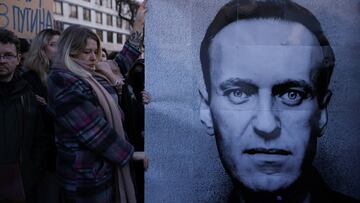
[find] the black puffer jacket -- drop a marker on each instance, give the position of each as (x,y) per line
(21,125)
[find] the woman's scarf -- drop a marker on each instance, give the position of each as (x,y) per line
(125,192)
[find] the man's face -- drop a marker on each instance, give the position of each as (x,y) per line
(262,106)
(8,61)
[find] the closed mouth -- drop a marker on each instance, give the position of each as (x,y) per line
(273,151)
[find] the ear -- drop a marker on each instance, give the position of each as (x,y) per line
(18,59)
(323,112)
(325,101)
(205,113)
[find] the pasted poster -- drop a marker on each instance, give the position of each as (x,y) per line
(281,95)
(26,17)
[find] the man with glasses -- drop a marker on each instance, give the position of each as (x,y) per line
(22,141)
(9,61)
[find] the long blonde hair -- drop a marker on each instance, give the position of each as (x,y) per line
(36,59)
(71,43)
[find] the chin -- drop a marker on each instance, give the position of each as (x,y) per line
(92,66)
(268,183)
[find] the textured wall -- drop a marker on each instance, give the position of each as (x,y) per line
(185,166)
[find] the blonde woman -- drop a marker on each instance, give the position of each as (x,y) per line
(93,151)
(37,65)
(38,61)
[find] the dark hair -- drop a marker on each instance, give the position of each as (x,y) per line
(7,36)
(50,32)
(106,53)
(24,45)
(112,55)
(136,77)
(285,10)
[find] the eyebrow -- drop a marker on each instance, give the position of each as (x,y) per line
(285,85)
(237,82)
(90,50)
(9,53)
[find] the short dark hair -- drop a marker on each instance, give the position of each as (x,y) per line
(112,55)
(136,76)
(7,36)
(106,53)
(285,10)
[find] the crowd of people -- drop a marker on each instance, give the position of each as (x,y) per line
(72,118)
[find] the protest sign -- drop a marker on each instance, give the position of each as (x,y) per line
(26,17)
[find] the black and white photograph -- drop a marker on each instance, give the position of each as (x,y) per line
(179,101)
(257,101)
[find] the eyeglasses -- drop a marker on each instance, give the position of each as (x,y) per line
(8,57)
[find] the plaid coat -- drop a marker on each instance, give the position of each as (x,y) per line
(88,148)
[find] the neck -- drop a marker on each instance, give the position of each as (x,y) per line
(85,65)
(6,78)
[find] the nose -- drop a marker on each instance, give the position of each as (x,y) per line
(92,56)
(266,122)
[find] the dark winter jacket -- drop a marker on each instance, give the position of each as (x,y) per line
(21,126)
(309,185)
(41,90)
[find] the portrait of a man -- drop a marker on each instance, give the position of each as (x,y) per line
(253,101)
(267,66)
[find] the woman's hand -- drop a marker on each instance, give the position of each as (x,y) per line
(141,156)
(146,98)
(105,69)
(137,32)
(41,100)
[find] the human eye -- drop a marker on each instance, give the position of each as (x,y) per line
(293,97)
(237,95)
(9,56)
